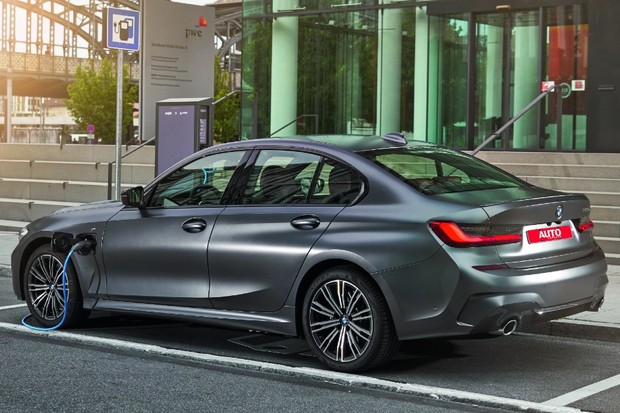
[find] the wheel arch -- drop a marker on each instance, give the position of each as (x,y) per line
(312,273)
(27,253)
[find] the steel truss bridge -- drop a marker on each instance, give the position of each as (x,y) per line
(43,42)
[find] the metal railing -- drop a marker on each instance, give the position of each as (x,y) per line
(516,117)
(315,117)
(111,164)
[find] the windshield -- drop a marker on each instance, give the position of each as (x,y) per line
(438,171)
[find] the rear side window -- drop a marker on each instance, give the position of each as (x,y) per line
(285,177)
(439,171)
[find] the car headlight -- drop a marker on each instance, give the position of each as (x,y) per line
(22,233)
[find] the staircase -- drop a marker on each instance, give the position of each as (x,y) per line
(597,175)
(37,179)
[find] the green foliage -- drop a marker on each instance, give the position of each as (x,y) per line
(226,113)
(92,98)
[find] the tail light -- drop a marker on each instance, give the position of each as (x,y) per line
(471,236)
(585,226)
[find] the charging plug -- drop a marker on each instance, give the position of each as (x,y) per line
(89,241)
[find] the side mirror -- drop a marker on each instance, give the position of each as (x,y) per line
(133,197)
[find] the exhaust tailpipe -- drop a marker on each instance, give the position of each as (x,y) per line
(509,327)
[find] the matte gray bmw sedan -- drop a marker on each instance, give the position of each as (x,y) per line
(353,242)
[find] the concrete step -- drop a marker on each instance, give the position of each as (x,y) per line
(13,226)
(605,213)
(572,184)
(550,158)
(603,198)
(562,170)
(28,210)
(54,190)
(609,245)
(612,259)
(75,152)
(138,174)
(607,229)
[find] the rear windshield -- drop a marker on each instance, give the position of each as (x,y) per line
(438,171)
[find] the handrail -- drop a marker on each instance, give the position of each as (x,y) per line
(316,123)
(110,164)
(226,96)
(515,118)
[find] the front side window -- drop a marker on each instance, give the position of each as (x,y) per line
(438,171)
(201,182)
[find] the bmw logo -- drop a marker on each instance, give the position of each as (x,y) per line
(559,211)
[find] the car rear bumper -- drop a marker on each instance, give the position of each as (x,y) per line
(470,301)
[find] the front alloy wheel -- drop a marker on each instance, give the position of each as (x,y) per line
(347,322)
(43,288)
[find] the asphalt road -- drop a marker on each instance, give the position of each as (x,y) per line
(157,365)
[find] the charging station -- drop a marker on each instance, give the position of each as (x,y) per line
(183,126)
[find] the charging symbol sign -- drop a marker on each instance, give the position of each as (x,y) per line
(121,29)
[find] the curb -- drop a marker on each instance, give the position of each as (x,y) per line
(576,329)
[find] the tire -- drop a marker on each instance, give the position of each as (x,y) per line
(42,283)
(347,322)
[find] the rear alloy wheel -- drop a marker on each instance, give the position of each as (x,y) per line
(347,322)
(43,289)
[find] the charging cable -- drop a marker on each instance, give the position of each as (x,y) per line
(65,293)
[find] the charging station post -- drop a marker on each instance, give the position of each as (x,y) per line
(121,31)
(183,126)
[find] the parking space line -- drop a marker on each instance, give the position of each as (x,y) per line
(10,307)
(585,392)
(342,379)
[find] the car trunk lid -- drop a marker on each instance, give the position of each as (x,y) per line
(555,226)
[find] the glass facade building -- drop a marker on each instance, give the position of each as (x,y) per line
(446,71)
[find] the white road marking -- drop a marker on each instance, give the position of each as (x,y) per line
(343,379)
(584,392)
(10,307)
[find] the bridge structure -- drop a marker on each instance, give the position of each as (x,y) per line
(43,42)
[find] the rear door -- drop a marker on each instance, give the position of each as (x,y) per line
(258,246)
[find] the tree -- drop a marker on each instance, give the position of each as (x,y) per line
(226,113)
(92,98)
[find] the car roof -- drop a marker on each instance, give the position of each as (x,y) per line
(358,143)
(355,143)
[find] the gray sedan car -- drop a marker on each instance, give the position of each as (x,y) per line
(354,242)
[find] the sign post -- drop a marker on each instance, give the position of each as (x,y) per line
(122,32)
(90,130)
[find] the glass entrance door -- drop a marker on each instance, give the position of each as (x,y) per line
(507,61)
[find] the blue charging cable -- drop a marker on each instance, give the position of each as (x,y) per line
(65,293)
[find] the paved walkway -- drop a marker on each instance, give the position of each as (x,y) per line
(604,324)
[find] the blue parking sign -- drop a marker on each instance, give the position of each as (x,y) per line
(121,29)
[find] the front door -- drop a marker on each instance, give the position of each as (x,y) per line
(158,254)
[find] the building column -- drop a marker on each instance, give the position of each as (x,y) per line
(389,71)
(284,70)
(494,66)
(420,75)
(526,86)
(434,115)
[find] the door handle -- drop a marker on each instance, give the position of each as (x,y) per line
(194,225)
(306,222)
